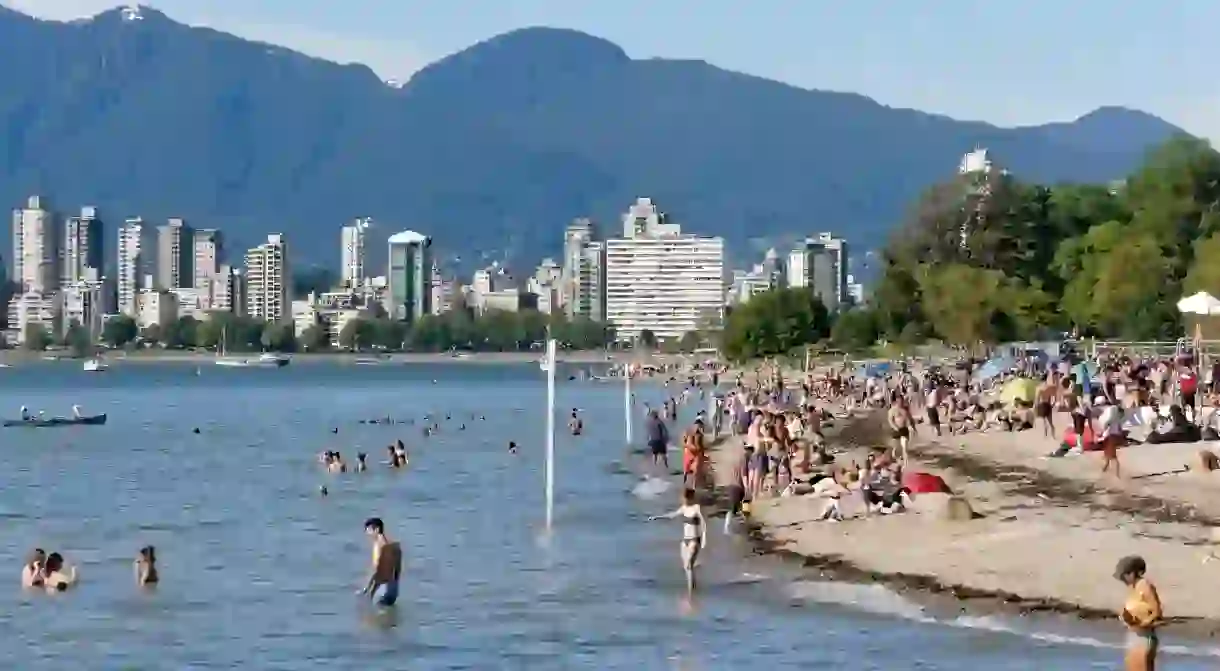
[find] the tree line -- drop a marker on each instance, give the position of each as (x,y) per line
(988,258)
(370,331)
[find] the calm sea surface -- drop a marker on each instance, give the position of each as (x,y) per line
(259,571)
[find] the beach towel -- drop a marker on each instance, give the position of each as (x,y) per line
(925,483)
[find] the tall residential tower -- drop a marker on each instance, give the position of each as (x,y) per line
(410,276)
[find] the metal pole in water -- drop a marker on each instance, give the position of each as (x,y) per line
(550,432)
(627,404)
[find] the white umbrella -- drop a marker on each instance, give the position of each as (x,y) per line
(1201,303)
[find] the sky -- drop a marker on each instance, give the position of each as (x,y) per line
(1009,63)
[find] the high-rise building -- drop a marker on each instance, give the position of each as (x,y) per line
(267,280)
(660,280)
(208,252)
(409,276)
(82,248)
(175,255)
(583,279)
(135,252)
(821,264)
(644,219)
(36,244)
(352,261)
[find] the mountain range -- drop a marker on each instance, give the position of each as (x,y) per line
(491,151)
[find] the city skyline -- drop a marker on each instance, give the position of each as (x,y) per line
(648,276)
(905,56)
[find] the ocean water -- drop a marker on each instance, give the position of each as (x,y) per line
(260,571)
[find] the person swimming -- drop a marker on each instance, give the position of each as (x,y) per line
(33,572)
(146,567)
(694,538)
(387,565)
(57,577)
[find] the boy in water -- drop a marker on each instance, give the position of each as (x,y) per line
(387,564)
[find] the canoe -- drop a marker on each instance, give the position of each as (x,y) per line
(36,423)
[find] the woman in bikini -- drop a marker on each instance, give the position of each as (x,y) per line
(694,536)
(1141,614)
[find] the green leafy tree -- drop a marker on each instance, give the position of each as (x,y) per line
(648,339)
(78,340)
(775,322)
(313,339)
(152,334)
(279,336)
(388,334)
(690,341)
(182,333)
(36,337)
(855,329)
(120,331)
(357,335)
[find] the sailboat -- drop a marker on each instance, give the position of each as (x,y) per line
(264,360)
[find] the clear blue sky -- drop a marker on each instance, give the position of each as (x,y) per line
(1011,63)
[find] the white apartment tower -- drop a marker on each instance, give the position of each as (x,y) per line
(135,250)
(352,260)
(82,255)
(583,275)
(820,263)
(175,255)
(36,243)
(660,280)
(267,280)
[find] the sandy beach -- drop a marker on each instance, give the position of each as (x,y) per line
(1046,533)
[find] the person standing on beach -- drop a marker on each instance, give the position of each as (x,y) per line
(1141,614)
(901,427)
(658,439)
(387,565)
(1044,405)
(1110,417)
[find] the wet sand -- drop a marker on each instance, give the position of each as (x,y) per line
(1044,540)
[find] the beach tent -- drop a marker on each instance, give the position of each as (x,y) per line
(1201,303)
(994,368)
(925,483)
(874,369)
(1021,389)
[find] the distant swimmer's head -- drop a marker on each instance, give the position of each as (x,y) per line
(148,554)
(38,556)
(1130,569)
(55,561)
(374,525)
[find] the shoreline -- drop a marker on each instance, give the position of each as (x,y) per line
(578,357)
(1027,554)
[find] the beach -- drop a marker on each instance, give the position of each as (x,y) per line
(1045,535)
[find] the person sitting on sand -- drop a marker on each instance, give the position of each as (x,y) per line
(832,490)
